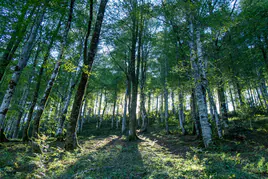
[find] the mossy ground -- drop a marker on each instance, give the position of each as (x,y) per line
(105,154)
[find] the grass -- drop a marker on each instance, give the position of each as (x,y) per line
(104,153)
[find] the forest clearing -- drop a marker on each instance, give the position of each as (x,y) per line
(133,89)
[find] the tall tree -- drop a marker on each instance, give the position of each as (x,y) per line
(41,106)
(71,137)
(27,49)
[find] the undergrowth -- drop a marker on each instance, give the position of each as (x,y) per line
(241,154)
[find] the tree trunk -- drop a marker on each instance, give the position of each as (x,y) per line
(18,69)
(173,102)
(162,108)
(71,138)
(199,90)
(223,104)
(117,116)
(99,111)
(157,110)
(38,84)
(142,94)
(194,115)
(124,120)
(41,106)
(232,99)
(114,106)
(239,92)
(82,117)
(216,114)
(62,118)
(181,113)
(133,76)
(149,102)
(260,99)
(104,109)
(25,94)
(16,38)
(166,97)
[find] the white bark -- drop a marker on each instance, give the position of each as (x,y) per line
(26,51)
(199,89)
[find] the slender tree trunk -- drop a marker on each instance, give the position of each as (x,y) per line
(38,85)
(194,115)
(99,111)
(212,113)
(71,138)
(62,118)
(156,107)
(41,106)
(216,114)
(260,99)
(181,113)
(173,102)
(117,116)
(200,95)
(96,105)
(253,97)
(232,99)
(162,108)
(143,99)
(16,38)
(114,106)
(124,120)
(149,102)
(82,117)
(18,70)
(223,104)
(20,112)
(166,97)
(104,109)
(239,92)
(25,94)
(133,75)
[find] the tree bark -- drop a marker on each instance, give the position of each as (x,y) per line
(124,120)
(199,88)
(99,111)
(133,76)
(142,95)
(181,113)
(41,106)
(216,114)
(16,38)
(166,96)
(223,104)
(239,92)
(232,99)
(173,102)
(114,106)
(71,137)
(194,115)
(62,118)
(38,85)
(19,68)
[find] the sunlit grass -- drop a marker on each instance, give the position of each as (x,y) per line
(156,155)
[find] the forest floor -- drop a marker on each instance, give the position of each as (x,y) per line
(243,153)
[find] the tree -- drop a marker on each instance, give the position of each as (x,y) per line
(71,138)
